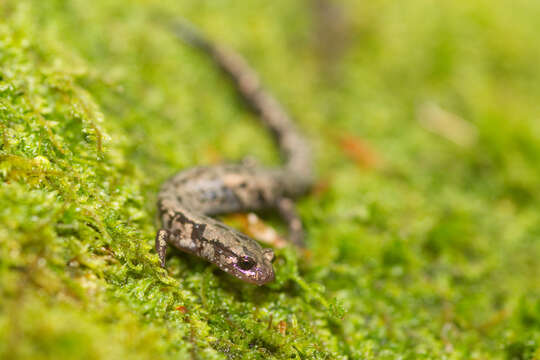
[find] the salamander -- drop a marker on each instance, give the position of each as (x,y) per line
(189,201)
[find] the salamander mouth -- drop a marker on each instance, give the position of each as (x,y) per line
(257,276)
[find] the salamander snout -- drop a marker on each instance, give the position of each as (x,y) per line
(255,269)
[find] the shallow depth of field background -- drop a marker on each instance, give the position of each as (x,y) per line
(423,228)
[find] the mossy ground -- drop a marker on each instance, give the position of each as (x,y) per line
(423,244)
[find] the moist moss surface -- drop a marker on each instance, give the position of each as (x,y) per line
(423,229)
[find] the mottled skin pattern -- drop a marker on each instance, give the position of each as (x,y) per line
(188,199)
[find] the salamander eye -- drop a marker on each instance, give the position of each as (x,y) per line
(245,263)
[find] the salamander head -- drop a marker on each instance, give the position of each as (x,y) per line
(233,252)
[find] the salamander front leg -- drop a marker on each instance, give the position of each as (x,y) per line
(288,213)
(162,238)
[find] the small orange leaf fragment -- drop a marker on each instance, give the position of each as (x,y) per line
(282,327)
(359,151)
(182,309)
(253,226)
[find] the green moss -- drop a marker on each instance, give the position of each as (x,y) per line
(428,250)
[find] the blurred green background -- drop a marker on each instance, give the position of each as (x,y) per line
(423,229)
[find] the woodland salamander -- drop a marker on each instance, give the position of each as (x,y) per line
(187,201)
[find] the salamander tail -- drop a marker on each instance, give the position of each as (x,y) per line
(186,31)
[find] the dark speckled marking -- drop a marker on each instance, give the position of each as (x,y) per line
(198,231)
